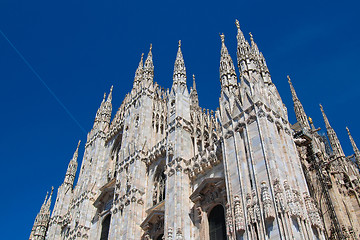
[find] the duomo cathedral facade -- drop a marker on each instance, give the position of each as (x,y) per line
(165,168)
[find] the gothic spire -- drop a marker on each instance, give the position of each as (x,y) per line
(228,76)
(44,203)
(179,76)
(48,203)
(98,112)
(194,100)
(71,170)
(139,71)
(334,141)
(76,153)
(298,107)
(42,219)
(355,148)
(149,67)
(326,120)
(109,98)
(254,48)
(243,48)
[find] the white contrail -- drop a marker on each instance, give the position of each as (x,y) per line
(43,82)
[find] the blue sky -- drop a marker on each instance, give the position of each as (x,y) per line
(81,48)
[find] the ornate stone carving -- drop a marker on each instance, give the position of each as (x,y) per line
(229,222)
(256,207)
(239,215)
(179,235)
(279,197)
(170,233)
(269,213)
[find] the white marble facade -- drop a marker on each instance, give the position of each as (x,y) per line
(165,168)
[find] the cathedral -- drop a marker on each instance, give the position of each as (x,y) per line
(164,168)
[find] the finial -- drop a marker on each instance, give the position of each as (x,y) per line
(237,24)
(179,43)
(310,120)
(251,36)
(288,77)
(111,89)
(194,84)
(78,144)
(347,129)
(321,107)
(142,57)
(104,96)
(150,46)
(52,190)
(222,36)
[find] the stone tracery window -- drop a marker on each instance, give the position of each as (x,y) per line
(159,185)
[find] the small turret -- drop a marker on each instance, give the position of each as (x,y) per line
(243,50)
(139,72)
(298,107)
(38,231)
(194,100)
(149,69)
(334,141)
(255,53)
(179,76)
(103,114)
(71,170)
(228,76)
(355,148)
(48,202)
(99,113)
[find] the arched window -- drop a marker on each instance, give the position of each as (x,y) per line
(159,185)
(105,228)
(217,229)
